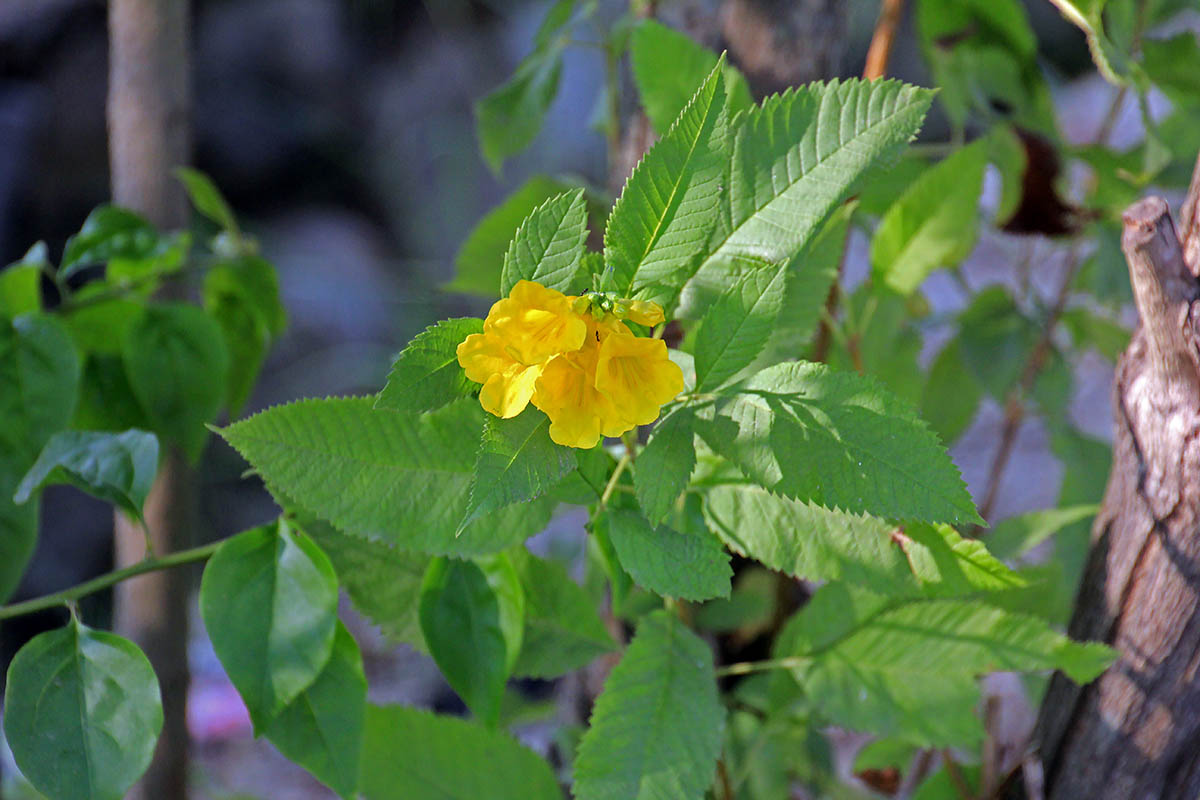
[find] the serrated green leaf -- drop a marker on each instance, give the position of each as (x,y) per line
(667,68)
(668,562)
(373,473)
(416,755)
(322,729)
(563,631)
(836,439)
(509,117)
(738,324)
(656,729)
(549,246)
(663,467)
(426,374)
(480,260)
(933,224)
(384,583)
(809,276)
(517,462)
(806,541)
(670,201)
(472,621)
(794,161)
(909,667)
(39,383)
(268,599)
(1016,536)
(82,713)
(947,565)
(119,468)
(206,197)
(176,362)
(951,395)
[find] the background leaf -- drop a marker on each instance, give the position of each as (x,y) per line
(667,68)
(176,362)
(383,582)
(426,374)
(509,117)
(480,260)
(242,295)
(549,246)
(322,729)
(82,713)
(656,729)
(119,468)
(269,603)
(206,197)
(668,562)
(951,394)
(933,224)
(39,383)
(473,628)
(415,755)
(563,631)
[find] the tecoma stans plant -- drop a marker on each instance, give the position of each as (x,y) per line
(770,539)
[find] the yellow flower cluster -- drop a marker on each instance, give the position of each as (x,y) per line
(573,358)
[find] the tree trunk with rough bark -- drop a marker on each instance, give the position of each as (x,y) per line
(148,123)
(1134,734)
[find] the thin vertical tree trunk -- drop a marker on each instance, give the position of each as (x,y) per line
(1134,733)
(148,123)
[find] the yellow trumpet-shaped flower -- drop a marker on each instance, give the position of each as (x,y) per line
(520,334)
(574,359)
(636,375)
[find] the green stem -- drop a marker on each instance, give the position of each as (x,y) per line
(68,596)
(612,481)
(748,667)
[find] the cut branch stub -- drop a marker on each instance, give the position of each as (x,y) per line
(1133,732)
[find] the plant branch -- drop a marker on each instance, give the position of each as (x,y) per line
(956,776)
(612,481)
(749,667)
(67,596)
(880,50)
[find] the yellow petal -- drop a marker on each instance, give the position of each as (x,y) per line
(482,355)
(505,394)
(644,312)
(637,376)
(564,392)
(535,323)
